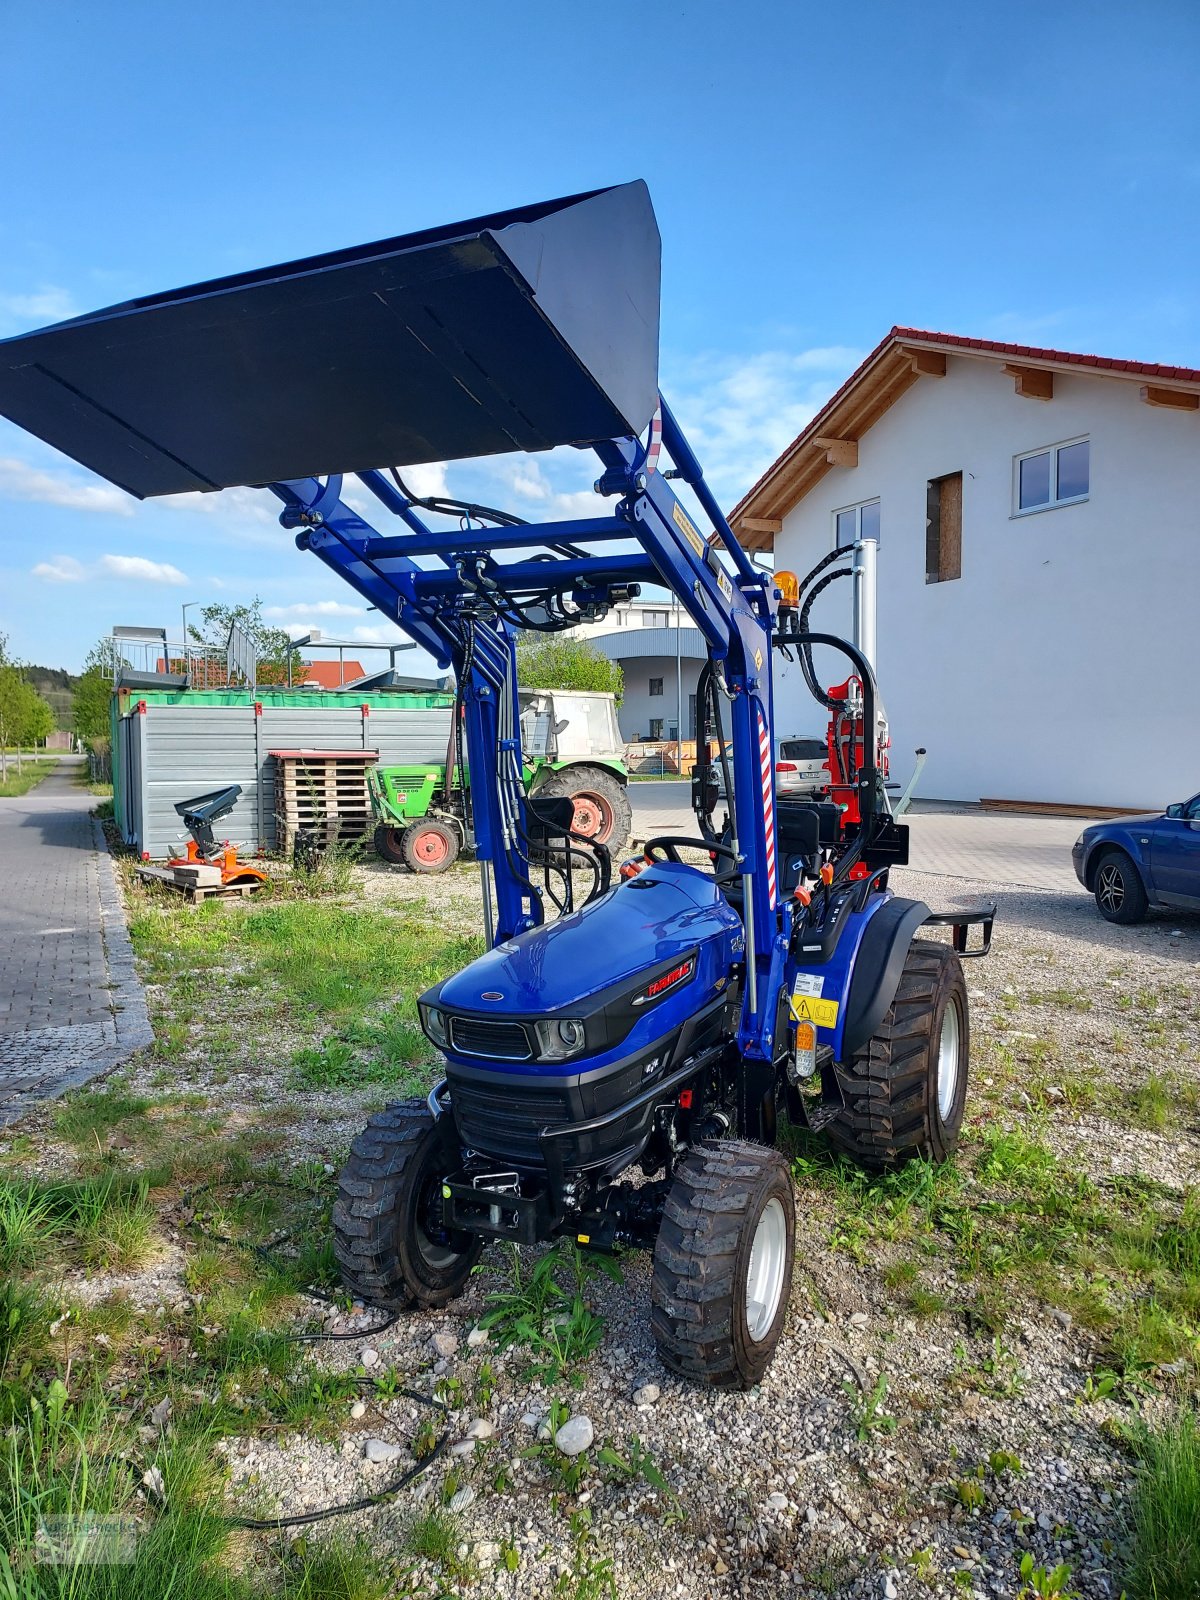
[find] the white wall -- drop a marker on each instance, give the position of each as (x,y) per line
(1064,664)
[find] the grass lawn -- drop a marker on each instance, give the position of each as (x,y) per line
(19,783)
(281,1023)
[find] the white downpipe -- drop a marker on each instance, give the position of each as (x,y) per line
(866,553)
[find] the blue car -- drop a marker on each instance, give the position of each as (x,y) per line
(1133,863)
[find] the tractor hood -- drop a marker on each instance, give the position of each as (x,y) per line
(606,967)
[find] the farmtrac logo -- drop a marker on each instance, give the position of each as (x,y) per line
(667,980)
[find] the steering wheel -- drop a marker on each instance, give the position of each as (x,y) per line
(669,844)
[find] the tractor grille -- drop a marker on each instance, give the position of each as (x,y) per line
(501,1122)
(485,1036)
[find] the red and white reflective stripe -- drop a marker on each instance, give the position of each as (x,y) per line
(764,760)
(655,445)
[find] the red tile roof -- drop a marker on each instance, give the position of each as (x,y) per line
(899,336)
(333,674)
(1029,352)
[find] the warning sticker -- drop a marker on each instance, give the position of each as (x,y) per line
(806,1008)
(724,585)
(811,983)
(683,523)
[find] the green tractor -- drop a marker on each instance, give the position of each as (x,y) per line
(571,746)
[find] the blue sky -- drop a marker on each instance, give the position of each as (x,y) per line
(1018,171)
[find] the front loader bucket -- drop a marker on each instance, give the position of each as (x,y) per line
(518,331)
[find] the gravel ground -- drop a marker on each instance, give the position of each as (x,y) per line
(781,1492)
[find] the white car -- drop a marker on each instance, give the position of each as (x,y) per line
(801,769)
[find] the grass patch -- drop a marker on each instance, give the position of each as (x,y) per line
(84,1117)
(19,783)
(322,961)
(1165,1513)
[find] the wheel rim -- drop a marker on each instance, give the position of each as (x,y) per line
(593,815)
(765,1274)
(434,1241)
(948,1060)
(431,848)
(1110,887)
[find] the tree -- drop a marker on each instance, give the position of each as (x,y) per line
(92,696)
(553,661)
(25,717)
(273,646)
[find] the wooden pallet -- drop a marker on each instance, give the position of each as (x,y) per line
(322,792)
(194,893)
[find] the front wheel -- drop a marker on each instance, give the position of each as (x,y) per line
(904,1092)
(388,1235)
(1120,896)
(723,1264)
(429,846)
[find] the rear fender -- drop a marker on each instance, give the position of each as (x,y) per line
(878,963)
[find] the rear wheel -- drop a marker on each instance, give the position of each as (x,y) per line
(429,846)
(1120,896)
(387,843)
(723,1264)
(905,1090)
(602,809)
(388,1236)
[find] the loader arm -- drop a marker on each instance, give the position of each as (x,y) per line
(523,330)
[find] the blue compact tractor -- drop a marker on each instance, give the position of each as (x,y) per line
(618,1063)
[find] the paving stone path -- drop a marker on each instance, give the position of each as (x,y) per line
(70,1001)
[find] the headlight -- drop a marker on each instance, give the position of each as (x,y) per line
(558,1040)
(434,1023)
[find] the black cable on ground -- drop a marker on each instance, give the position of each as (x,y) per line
(266,1255)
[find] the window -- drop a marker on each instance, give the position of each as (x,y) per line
(943,528)
(656,727)
(1053,477)
(655,619)
(802,750)
(856,522)
(656,686)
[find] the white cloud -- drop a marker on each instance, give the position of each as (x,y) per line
(134,569)
(19,479)
(312,608)
(141,570)
(62,569)
(740,412)
(46,304)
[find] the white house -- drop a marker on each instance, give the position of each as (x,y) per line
(1038,519)
(661,655)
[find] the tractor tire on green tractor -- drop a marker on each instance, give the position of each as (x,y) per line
(387,844)
(602,809)
(904,1091)
(429,845)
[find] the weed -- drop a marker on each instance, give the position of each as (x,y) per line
(969,1492)
(590,1575)
(924,1564)
(545,1309)
(1042,1583)
(434,1537)
(866,1410)
(639,1464)
(27,1224)
(334,1570)
(1165,1512)
(1152,1103)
